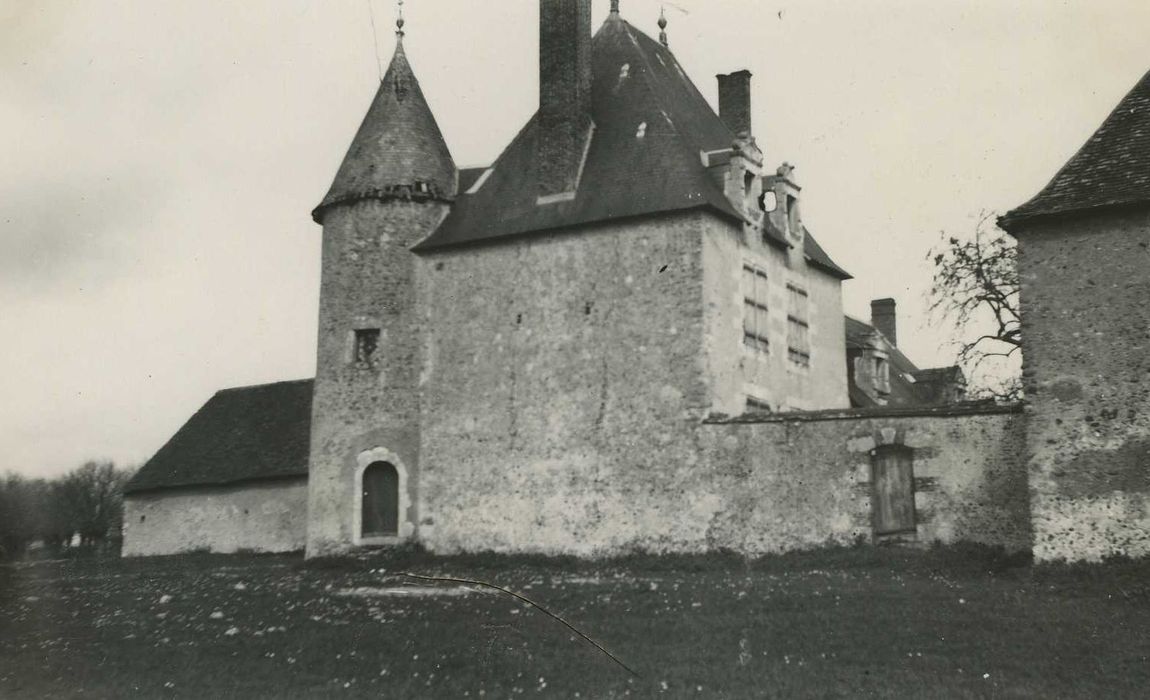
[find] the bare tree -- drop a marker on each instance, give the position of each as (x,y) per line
(976,286)
(91,500)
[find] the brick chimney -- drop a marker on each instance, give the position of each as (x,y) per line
(735,102)
(564,127)
(883,317)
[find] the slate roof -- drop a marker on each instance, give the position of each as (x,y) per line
(239,435)
(398,145)
(1111,169)
(902,392)
(636,81)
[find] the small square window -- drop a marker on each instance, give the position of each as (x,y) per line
(366,343)
(757,405)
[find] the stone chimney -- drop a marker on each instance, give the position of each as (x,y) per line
(564,123)
(883,317)
(735,102)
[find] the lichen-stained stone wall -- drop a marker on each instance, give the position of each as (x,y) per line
(260,517)
(564,389)
(367,281)
(562,375)
(803,480)
(737,371)
(1086,364)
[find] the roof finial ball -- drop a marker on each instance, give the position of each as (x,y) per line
(663,26)
(399,21)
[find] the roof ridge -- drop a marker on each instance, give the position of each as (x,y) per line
(245,387)
(1116,118)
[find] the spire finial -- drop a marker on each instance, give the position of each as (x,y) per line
(614,7)
(663,25)
(399,21)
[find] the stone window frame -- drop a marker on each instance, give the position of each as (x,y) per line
(351,346)
(798,316)
(755,338)
(754,404)
(405,528)
(865,447)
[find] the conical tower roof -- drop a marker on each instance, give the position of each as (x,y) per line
(1111,169)
(398,151)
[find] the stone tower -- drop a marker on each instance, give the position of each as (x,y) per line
(1084,267)
(395,185)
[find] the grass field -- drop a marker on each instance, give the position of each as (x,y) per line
(842,623)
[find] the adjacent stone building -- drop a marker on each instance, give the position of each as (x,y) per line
(1084,264)
(622,336)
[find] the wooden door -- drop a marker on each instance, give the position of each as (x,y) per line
(893,501)
(380,500)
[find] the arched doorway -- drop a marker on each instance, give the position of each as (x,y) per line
(380,490)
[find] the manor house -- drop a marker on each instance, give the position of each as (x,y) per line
(619,336)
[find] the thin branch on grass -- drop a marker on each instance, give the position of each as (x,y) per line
(530,602)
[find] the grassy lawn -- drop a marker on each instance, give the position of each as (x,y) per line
(841,623)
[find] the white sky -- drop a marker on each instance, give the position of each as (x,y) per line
(160,160)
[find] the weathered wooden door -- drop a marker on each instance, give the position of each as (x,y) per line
(893,500)
(380,500)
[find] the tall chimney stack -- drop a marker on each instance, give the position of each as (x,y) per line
(564,127)
(883,317)
(735,102)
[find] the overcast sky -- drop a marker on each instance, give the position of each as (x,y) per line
(160,160)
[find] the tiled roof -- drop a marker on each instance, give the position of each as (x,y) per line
(902,391)
(818,257)
(636,82)
(651,125)
(1112,168)
(398,146)
(243,434)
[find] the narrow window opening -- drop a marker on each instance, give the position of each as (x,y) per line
(518,319)
(366,344)
(794,224)
(882,376)
(756,319)
(587,309)
(798,326)
(757,405)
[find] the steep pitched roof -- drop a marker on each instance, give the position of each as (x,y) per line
(1112,168)
(818,257)
(902,391)
(636,82)
(243,434)
(398,147)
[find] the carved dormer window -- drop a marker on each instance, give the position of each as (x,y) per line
(794,222)
(400,88)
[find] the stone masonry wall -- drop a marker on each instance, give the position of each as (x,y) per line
(1086,325)
(260,517)
(560,373)
(737,371)
(564,389)
(803,480)
(361,413)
